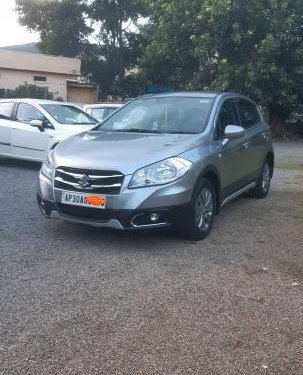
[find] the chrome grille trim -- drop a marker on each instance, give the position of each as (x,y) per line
(107,182)
(92,177)
(76,185)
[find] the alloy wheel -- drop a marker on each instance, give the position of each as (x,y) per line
(266,178)
(204,209)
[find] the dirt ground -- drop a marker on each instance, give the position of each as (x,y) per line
(77,300)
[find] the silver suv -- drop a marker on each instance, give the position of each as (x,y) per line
(162,160)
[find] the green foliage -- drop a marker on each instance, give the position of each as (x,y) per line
(61,24)
(107,66)
(97,69)
(118,42)
(134,84)
(32,91)
(254,47)
(28,91)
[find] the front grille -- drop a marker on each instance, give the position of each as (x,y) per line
(88,180)
(84,213)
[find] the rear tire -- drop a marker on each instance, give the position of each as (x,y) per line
(261,189)
(201,212)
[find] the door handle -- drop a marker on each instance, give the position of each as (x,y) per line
(246,145)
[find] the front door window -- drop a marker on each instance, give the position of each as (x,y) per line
(27,113)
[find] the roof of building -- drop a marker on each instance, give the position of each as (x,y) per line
(27,47)
(37,62)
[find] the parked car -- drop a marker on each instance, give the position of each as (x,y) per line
(101,111)
(161,160)
(29,127)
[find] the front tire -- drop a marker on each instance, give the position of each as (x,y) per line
(262,188)
(201,212)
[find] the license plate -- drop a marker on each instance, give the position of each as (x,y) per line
(84,200)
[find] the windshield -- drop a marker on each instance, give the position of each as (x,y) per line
(187,115)
(69,114)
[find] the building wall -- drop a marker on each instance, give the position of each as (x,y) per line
(59,74)
(56,83)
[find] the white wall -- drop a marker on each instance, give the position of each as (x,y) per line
(56,83)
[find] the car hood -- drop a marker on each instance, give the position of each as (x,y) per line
(66,131)
(124,152)
(73,129)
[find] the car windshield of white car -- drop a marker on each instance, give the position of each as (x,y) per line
(175,115)
(69,115)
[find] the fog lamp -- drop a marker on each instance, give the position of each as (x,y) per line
(154,217)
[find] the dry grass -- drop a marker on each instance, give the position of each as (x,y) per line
(289,163)
(294,270)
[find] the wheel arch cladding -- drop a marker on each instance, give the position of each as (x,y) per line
(271,159)
(212,175)
(54,145)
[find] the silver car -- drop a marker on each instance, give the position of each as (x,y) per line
(161,160)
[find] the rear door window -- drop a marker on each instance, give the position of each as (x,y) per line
(6,110)
(248,113)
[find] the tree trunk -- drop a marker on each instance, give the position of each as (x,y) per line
(277,121)
(278,126)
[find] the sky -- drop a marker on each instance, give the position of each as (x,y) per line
(11,32)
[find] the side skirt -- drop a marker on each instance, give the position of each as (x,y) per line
(238,193)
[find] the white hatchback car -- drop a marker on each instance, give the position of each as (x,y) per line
(102,110)
(29,127)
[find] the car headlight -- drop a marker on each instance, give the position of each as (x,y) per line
(47,166)
(160,173)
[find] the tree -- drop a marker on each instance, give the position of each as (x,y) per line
(63,29)
(254,47)
(118,40)
(60,23)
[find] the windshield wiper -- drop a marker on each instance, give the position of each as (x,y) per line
(134,130)
(177,132)
(85,123)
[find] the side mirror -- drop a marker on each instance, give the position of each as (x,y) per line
(37,124)
(41,125)
(233,132)
(48,125)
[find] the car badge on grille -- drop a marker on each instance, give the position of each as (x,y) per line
(84,181)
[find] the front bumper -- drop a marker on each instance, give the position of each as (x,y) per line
(131,209)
